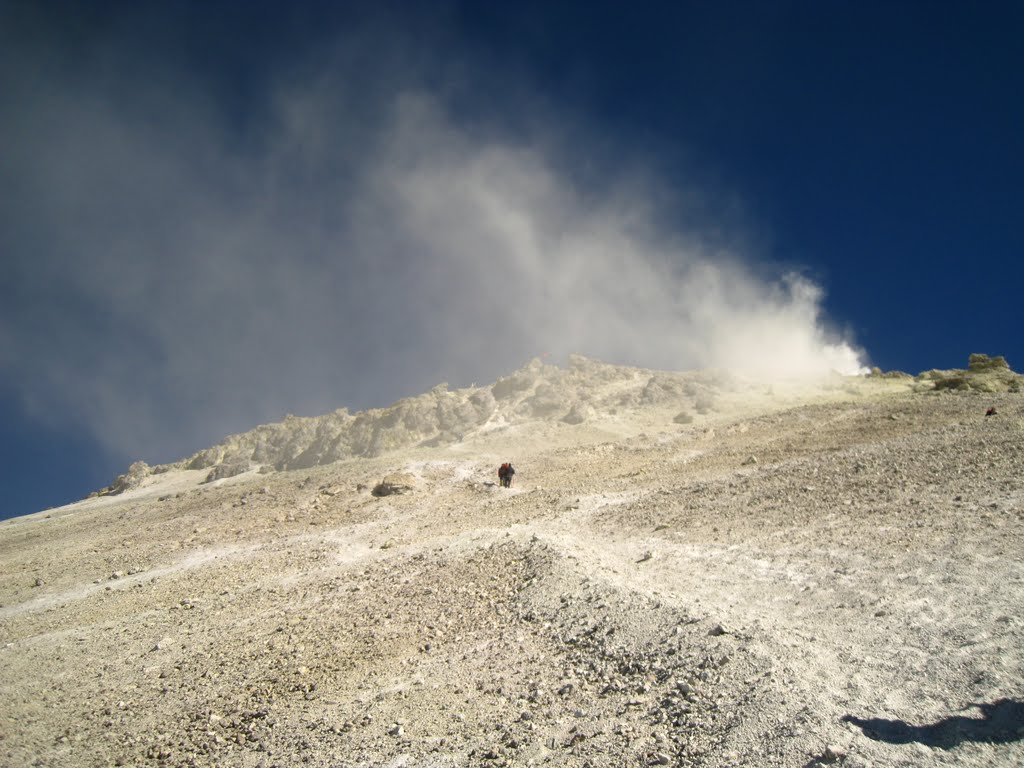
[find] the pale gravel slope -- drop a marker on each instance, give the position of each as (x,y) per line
(867,565)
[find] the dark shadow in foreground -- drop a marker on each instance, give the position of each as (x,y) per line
(1002,722)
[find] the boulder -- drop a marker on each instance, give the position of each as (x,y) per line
(133,478)
(578,413)
(222,471)
(395,483)
(546,401)
(518,382)
(978,363)
(683,417)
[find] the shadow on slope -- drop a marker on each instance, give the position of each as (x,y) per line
(1002,722)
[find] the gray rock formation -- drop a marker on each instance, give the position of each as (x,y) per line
(395,483)
(586,390)
(443,416)
(222,471)
(131,479)
(983,374)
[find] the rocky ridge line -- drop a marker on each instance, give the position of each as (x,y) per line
(537,391)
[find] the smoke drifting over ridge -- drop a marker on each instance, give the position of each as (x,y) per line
(174,278)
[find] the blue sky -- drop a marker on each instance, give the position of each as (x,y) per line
(213,214)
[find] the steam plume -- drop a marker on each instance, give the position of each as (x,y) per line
(174,278)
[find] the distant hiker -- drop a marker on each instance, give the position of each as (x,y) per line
(505,473)
(991,411)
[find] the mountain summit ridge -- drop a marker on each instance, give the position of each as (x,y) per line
(586,390)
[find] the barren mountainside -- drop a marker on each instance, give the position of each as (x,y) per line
(690,569)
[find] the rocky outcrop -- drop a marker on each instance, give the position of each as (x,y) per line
(395,483)
(579,393)
(131,479)
(978,363)
(439,417)
(584,391)
(297,442)
(983,374)
(578,413)
(222,471)
(878,373)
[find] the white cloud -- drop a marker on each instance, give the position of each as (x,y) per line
(175,280)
